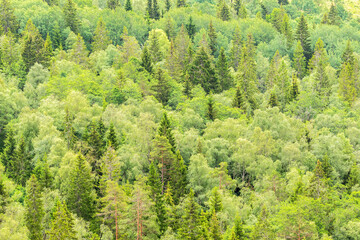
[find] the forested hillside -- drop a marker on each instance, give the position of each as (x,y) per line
(179,119)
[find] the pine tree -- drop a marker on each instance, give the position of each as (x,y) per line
(238,101)
(21,166)
(273,101)
(113,4)
(80,196)
(8,21)
(101,37)
(215,231)
(9,151)
(56,36)
(34,209)
(334,18)
(155,10)
(191,28)
(299,61)
(112,139)
(211,114)
(303,35)
(189,228)
(215,201)
(222,71)
(146,61)
(62,224)
(162,88)
(201,72)
(128,6)
(157,196)
(167,5)
(180,3)
(294,91)
(70,16)
(224,12)
(33,50)
(236,49)
(48,51)
(212,36)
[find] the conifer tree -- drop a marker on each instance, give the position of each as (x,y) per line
(9,151)
(34,209)
(325,19)
(62,224)
(204,226)
(169,28)
(70,16)
(162,88)
(317,182)
(112,139)
(237,6)
(172,63)
(347,81)
(110,167)
(215,231)
(128,6)
(182,43)
(303,35)
(320,54)
(264,11)
(286,30)
(167,5)
(274,71)
(43,174)
(79,53)
(222,71)
(283,2)
(201,72)
(56,36)
(178,177)
(262,229)
(243,12)
(327,168)
(189,228)
(273,101)
(80,196)
(191,28)
(8,21)
(238,101)
(321,81)
(236,49)
(294,91)
(101,37)
(180,3)
(113,4)
(238,230)
(348,54)
(299,61)
(354,176)
(154,48)
(215,201)
(212,36)
(149,9)
(146,61)
(155,10)
(48,51)
(211,114)
(334,18)
(21,166)
(69,130)
(224,12)
(187,87)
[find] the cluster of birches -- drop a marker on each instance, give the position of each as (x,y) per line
(172,134)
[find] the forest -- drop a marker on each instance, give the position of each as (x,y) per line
(179,119)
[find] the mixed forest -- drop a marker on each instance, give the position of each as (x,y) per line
(179,119)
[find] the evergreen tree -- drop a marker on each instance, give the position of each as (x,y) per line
(264,11)
(283,2)
(354,177)
(180,3)
(69,130)
(187,86)
(21,166)
(211,114)
(299,61)
(79,53)
(43,174)
(149,9)
(146,61)
(48,51)
(222,71)
(154,48)
(334,18)
(34,209)
(236,49)
(56,36)
(201,72)
(237,6)
(169,28)
(317,185)
(212,36)
(215,201)
(238,101)
(9,151)
(347,81)
(320,55)
(128,6)
(303,35)
(189,228)
(167,5)
(191,28)
(327,168)
(224,12)
(110,167)
(155,10)
(348,54)
(243,12)
(294,91)
(238,230)
(182,45)
(215,231)
(273,101)
(8,21)
(178,177)
(62,224)
(101,37)
(321,81)
(172,63)
(113,4)
(112,139)
(80,196)
(325,19)
(157,196)
(262,229)
(162,88)
(70,16)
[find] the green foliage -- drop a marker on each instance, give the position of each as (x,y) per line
(303,35)
(71,17)
(101,38)
(62,224)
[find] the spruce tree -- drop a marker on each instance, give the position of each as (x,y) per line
(21,165)
(317,186)
(238,101)
(191,28)
(303,35)
(48,51)
(154,47)
(180,3)
(9,151)
(334,18)
(101,37)
(215,231)
(113,4)
(348,54)
(43,174)
(8,21)
(34,213)
(79,53)
(56,36)
(299,61)
(172,63)
(128,6)
(212,36)
(236,49)
(80,196)
(187,86)
(223,72)
(165,130)
(69,130)
(354,177)
(347,83)
(169,28)
(273,101)
(321,81)
(294,90)
(211,113)
(182,44)
(149,9)
(224,12)
(325,19)
(70,16)
(238,230)
(237,5)
(167,5)
(320,55)
(178,178)
(243,12)
(62,224)
(112,139)
(262,229)
(190,224)
(215,201)
(327,168)
(264,11)
(146,61)
(162,88)
(155,10)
